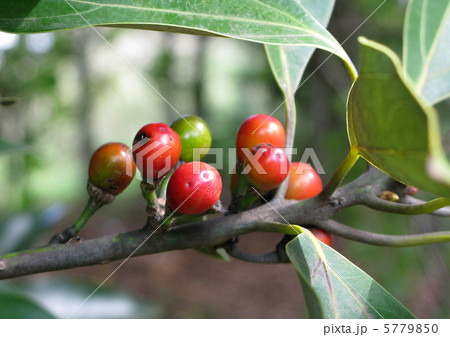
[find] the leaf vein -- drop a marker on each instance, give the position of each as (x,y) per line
(186,13)
(428,58)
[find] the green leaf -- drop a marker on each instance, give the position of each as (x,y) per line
(289,62)
(391,127)
(336,288)
(263,21)
(426,57)
(13,305)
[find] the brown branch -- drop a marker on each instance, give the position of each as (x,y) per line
(213,232)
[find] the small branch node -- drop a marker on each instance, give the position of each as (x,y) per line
(389,196)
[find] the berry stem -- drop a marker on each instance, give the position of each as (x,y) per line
(162,188)
(248,199)
(91,207)
(241,188)
(150,196)
(167,221)
(154,212)
(152,200)
(242,184)
(340,174)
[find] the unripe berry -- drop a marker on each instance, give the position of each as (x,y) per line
(195,135)
(194,188)
(112,168)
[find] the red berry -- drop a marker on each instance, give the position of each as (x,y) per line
(194,188)
(112,168)
(323,236)
(156,150)
(268,167)
(304,182)
(259,129)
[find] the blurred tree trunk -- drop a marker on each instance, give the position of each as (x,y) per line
(84,104)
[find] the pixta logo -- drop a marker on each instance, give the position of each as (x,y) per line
(154,160)
(151,159)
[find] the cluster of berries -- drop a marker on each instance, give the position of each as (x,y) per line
(195,187)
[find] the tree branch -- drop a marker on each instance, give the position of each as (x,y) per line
(407,199)
(379,204)
(216,232)
(382,239)
(211,232)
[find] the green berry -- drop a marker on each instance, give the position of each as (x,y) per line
(194,134)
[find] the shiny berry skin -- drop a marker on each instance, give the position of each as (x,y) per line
(190,138)
(156,150)
(304,182)
(272,170)
(194,188)
(112,168)
(323,236)
(259,129)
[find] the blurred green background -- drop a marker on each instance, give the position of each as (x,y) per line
(74,93)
